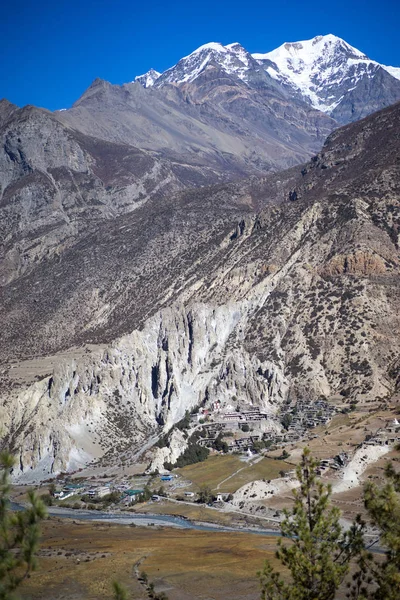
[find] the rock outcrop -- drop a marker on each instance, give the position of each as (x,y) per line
(110,402)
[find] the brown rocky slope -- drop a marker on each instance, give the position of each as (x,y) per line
(265,291)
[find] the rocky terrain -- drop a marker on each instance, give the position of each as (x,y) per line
(214,128)
(57,182)
(116,321)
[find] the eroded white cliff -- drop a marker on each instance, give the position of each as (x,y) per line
(110,401)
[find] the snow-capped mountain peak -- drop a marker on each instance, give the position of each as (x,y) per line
(308,52)
(233,59)
(241,53)
(317,68)
(325,72)
(148,79)
(211,46)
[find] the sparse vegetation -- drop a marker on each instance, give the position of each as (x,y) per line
(184,423)
(286,420)
(205,494)
(220,445)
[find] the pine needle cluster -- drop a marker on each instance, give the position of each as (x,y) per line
(19,534)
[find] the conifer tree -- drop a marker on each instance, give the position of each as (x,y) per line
(319,554)
(19,534)
(383,506)
(120,593)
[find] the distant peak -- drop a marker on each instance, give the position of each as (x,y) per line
(329,37)
(234,46)
(6,109)
(98,83)
(312,47)
(306,67)
(151,72)
(318,68)
(96,88)
(5,102)
(233,59)
(148,79)
(216,46)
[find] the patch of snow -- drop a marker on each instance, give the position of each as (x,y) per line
(394,71)
(195,72)
(216,46)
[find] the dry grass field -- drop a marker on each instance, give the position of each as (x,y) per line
(267,468)
(79,561)
(212,471)
(227,473)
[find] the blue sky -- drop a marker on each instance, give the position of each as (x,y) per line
(50,52)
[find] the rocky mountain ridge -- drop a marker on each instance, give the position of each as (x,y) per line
(216,127)
(57,182)
(258,292)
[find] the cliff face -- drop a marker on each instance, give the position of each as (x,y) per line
(258,293)
(58,184)
(110,402)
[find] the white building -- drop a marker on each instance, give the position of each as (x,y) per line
(99,492)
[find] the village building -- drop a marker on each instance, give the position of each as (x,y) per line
(99,492)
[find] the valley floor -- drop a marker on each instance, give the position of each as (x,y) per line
(79,561)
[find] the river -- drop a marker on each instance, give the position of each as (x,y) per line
(149,520)
(144,520)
